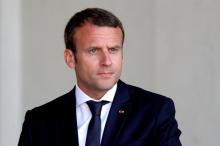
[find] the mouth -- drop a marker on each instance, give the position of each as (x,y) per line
(105,74)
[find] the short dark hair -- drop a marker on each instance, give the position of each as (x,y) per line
(96,16)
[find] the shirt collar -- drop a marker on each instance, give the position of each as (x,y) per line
(82,97)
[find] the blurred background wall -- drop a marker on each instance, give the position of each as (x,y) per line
(171,47)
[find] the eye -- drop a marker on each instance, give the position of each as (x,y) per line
(113,50)
(93,50)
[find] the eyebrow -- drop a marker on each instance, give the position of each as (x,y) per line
(116,46)
(97,47)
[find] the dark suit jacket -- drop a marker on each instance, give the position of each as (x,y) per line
(137,118)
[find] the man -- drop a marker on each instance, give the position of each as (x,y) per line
(101,109)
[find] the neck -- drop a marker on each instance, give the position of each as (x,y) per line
(94,94)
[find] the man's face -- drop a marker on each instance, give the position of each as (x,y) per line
(99,56)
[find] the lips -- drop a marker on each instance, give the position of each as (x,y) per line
(105,74)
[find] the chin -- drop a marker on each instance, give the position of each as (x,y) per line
(107,85)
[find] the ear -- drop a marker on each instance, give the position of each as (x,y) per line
(69,58)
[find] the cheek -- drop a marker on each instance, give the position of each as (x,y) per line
(88,67)
(118,61)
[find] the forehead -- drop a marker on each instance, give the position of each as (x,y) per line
(89,30)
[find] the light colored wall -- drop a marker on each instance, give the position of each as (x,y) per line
(10,72)
(171,48)
(187,57)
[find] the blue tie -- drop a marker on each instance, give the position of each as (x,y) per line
(94,129)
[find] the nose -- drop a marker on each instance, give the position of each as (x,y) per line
(106,59)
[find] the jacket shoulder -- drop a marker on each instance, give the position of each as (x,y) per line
(145,95)
(54,107)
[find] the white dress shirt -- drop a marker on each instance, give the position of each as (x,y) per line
(84,115)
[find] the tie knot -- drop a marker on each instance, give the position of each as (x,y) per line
(96,107)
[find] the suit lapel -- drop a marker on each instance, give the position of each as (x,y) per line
(117,115)
(69,123)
